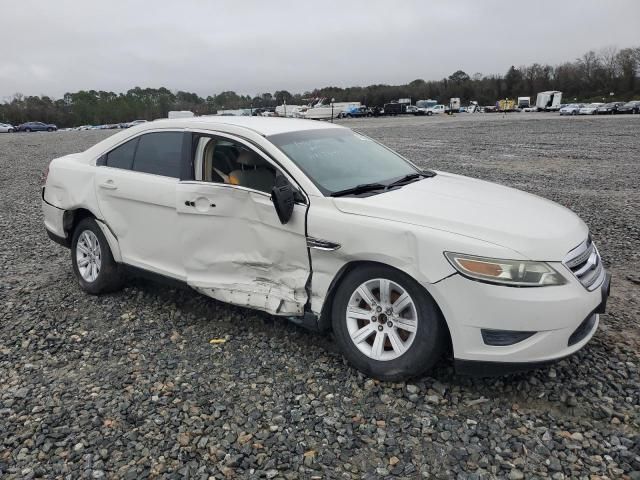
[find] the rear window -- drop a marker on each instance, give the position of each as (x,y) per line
(159,153)
(122,156)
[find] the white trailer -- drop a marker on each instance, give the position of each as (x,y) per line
(524,102)
(180,114)
(549,101)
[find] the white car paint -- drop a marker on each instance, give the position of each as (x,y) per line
(590,109)
(239,252)
(6,128)
(571,109)
(437,109)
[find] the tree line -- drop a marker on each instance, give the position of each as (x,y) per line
(609,74)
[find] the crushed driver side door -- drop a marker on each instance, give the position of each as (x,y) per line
(236,250)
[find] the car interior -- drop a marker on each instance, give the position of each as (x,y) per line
(224,161)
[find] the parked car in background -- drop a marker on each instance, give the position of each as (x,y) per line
(571,109)
(609,108)
(630,107)
(36,127)
(356,112)
(6,128)
(590,109)
(401,263)
(436,109)
(136,122)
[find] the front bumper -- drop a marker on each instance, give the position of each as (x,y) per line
(553,313)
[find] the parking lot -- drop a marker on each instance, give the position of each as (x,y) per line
(128,385)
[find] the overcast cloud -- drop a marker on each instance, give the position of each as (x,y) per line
(52,47)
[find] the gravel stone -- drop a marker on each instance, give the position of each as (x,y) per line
(131,380)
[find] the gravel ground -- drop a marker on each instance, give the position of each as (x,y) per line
(128,386)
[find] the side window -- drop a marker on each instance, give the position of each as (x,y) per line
(159,153)
(122,156)
(224,161)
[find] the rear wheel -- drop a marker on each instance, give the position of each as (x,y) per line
(387,326)
(93,264)
(49,129)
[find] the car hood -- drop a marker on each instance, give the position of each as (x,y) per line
(532,226)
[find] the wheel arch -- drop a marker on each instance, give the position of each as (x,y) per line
(324,320)
(72,218)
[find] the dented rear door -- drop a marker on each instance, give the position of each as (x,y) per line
(236,250)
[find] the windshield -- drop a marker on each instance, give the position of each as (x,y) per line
(337,159)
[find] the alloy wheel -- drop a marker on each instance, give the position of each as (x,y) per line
(88,256)
(382,319)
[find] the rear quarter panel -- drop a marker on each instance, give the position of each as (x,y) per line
(70,184)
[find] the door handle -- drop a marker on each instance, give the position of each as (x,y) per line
(108,185)
(191,203)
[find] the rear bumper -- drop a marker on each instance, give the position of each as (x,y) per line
(564,318)
(53,218)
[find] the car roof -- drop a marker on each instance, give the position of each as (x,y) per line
(265,126)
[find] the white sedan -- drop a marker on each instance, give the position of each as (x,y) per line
(6,128)
(591,109)
(571,109)
(317,223)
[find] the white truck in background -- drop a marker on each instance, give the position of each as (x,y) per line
(549,101)
(180,114)
(524,102)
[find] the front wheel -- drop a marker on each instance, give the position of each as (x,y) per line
(93,264)
(27,130)
(387,325)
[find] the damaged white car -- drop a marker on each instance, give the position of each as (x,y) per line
(320,224)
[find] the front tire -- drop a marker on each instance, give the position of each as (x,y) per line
(93,264)
(386,324)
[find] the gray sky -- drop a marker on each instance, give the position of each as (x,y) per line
(207,46)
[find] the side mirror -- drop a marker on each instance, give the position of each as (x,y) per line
(282,196)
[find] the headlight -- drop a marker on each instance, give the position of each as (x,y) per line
(515,273)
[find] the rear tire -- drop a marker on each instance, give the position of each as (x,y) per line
(391,336)
(49,129)
(93,264)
